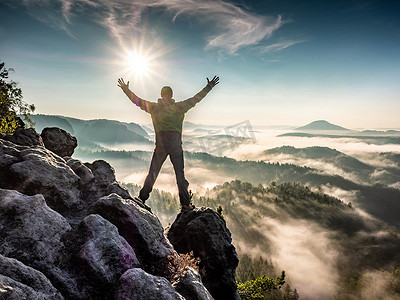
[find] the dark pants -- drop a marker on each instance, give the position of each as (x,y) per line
(175,152)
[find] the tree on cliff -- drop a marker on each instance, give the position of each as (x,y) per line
(11,103)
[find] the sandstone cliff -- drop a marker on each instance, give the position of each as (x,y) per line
(68,230)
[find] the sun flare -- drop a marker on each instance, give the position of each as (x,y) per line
(138,64)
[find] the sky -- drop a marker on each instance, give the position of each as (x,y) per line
(279,62)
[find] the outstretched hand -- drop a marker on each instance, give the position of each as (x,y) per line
(213,82)
(122,84)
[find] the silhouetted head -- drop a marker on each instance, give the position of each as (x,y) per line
(166,92)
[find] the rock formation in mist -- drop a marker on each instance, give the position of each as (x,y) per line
(68,230)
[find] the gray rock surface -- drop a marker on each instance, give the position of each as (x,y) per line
(103,184)
(31,232)
(39,171)
(18,281)
(99,256)
(8,156)
(139,227)
(59,141)
(115,188)
(68,229)
(14,290)
(136,284)
(103,172)
(69,186)
(190,286)
(80,169)
(34,230)
(204,232)
(24,137)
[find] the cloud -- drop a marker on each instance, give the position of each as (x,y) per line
(344,195)
(280,46)
(378,285)
(229,26)
(243,31)
(200,179)
(53,13)
(303,249)
(269,138)
(235,27)
(308,255)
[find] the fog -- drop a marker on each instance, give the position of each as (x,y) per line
(306,251)
(296,239)
(128,147)
(328,168)
(303,249)
(253,149)
(376,285)
(307,254)
(268,139)
(313,255)
(345,196)
(200,179)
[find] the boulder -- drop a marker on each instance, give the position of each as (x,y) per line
(39,171)
(190,286)
(115,188)
(31,232)
(18,281)
(34,230)
(204,232)
(68,229)
(99,256)
(14,290)
(80,169)
(24,137)
(103,172)
(8,156)
(104,182)
(69,186)
(136,284)
(59,141)
(139,227)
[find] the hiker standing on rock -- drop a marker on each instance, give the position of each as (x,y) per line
(167,116)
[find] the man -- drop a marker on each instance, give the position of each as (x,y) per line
(167,116)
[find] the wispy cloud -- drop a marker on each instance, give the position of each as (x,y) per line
(229,27)
(53,13)
(235,27)
(280,46)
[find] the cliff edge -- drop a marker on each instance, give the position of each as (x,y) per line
(70,231)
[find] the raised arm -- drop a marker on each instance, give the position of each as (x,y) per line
(143,104)
(189,103)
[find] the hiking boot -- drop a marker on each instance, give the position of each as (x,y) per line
(187,207)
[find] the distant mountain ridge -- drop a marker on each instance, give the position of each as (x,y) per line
(100,131)
(320,125)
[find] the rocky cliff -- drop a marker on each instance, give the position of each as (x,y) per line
(68,230)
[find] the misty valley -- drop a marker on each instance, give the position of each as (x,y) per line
(320,202)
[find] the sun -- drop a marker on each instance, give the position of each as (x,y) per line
(139,65)
(139,61)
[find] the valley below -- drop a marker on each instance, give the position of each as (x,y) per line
(320,202)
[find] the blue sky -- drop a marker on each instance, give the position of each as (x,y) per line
(280,62)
